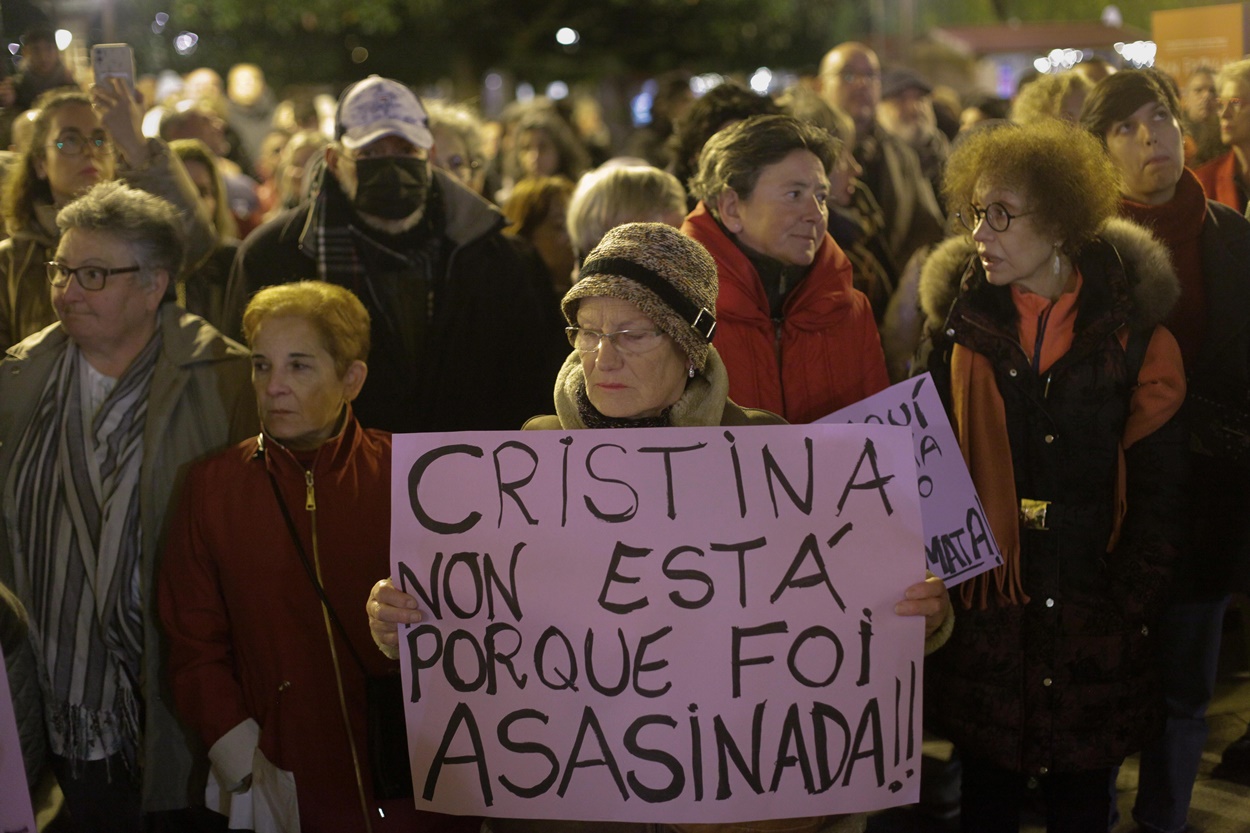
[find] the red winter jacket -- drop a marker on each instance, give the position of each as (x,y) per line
(1219,180)
(247,637)
(823,355)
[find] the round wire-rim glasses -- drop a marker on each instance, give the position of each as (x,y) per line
(996,216)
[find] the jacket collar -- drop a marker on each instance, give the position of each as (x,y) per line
(831,292)
(703,402)
(333,453)
(1124,264)
(187,340)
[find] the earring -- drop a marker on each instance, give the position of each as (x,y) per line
(690,371)
(1055,265)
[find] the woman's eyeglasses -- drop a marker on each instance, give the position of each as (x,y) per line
(996,216)
(75,144)
(90,278)
(627,341)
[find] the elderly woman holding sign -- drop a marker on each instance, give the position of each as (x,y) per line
(641,323)
(276,686)
(1047,348)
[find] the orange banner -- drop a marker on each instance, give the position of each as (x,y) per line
(1208,36)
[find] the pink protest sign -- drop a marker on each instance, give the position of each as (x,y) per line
(15,810)
(959,543)
(678,624)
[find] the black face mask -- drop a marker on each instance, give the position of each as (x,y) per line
(391,187)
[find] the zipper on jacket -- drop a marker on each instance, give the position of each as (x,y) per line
(310,504)
(778,324)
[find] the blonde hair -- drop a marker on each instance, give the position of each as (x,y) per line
(1043,98)
(606,198)
(338,316)
(1237,72)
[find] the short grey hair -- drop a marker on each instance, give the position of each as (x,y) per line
(145,222)
(609,197)
(735,157)
(463,122)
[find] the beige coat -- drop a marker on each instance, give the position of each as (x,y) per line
(201,401)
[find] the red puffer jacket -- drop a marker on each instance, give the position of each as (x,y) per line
(824,354)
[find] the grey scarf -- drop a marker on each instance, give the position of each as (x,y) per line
(77,545)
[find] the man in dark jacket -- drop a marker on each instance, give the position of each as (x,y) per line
(464,335)
(850,80)
(42,70)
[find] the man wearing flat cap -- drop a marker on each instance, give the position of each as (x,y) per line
(906,112)
(465,336)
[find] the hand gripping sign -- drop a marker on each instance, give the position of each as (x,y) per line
(678,624)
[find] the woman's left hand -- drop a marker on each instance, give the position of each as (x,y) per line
(929,599)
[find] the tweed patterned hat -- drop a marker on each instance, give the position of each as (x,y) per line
(667,275)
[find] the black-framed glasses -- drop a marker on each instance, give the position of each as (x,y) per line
(850,76)
(996,216)
(90,278)
(627,341)
(73,143)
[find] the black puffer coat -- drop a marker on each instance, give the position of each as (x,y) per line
(1067,681)
(1218,562)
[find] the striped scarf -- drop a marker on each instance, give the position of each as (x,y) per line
(78,540)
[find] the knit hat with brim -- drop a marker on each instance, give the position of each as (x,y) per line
(670,277)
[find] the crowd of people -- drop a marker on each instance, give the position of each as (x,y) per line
(185,643)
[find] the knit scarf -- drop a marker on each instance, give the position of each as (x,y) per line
(702,403)
(1178,225)
(76,478)
(592,418)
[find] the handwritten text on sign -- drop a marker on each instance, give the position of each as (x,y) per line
(679,624)
(958,541)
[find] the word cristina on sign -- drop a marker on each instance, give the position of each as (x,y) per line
(678,624)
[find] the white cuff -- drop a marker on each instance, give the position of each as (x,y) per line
(231,755)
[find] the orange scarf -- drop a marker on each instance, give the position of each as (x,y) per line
(981,428)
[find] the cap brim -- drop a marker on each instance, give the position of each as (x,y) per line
(419,135)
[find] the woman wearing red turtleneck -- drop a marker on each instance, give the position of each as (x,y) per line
(1137,117)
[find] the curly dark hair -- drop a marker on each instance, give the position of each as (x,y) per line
(727,102)
(1070,183)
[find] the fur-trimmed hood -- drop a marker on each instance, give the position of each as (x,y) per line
(1152,280)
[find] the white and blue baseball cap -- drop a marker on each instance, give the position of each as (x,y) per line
(377,107)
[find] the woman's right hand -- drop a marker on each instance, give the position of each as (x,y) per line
(389,608)
(122,117)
